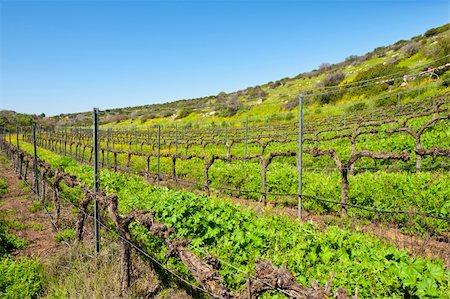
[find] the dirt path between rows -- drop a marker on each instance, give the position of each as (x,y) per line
(34,226)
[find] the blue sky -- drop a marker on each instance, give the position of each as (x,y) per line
(69,56)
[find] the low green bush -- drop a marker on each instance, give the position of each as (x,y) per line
(9,242)
(65,235)
(3,187)
(20,279)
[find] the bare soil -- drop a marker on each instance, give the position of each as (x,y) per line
(35,227)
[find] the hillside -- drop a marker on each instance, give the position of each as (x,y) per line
(277,100)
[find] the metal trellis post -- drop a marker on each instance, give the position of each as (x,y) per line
(373,108)
(96,182)
(35,164)
(135,139)
(158,175)
(108,136)
(299,157)
(176,139)
(345,116)
(246,135)
(18,147)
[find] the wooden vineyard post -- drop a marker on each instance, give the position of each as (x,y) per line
(344,191)
(147,169)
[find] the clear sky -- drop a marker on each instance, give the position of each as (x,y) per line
(69,56)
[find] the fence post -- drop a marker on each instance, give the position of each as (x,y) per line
(158,175)
(96,183)
(108,135)
(60,140)
(18,164)
(226,132)
(65,141)
(136,139)
(76,138)
(35,164)
(435,87)
(176,139)
(345,116)
(373,109)
(1,138)
(299,157)
(128,138)
(246,136)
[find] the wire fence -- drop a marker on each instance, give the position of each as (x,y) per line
(9,151)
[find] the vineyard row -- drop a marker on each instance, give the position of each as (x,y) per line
(205,271)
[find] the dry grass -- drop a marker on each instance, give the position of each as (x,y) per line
(78,272)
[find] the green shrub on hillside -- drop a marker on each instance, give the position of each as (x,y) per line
(411,48)
(183,113)
(334,78)
(379,70)
(437,30)
(391,101)
(291,104)
(330,97)
(439,48)
(357,107)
